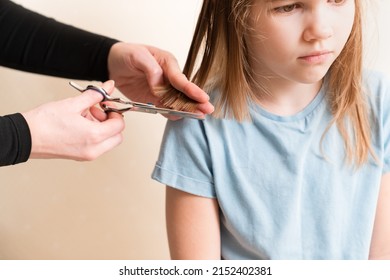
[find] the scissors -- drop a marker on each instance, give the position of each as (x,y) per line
(134,106)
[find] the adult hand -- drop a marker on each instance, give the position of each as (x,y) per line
(137,69)
(73,129)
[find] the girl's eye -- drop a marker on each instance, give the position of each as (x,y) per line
(337,1)
(286,9)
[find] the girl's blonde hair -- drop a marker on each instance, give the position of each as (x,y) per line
(220,48)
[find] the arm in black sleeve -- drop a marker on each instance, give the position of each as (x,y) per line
(34,43)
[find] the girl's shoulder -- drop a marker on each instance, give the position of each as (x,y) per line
(376,82)
(377,87)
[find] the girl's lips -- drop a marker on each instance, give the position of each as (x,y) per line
(317,57)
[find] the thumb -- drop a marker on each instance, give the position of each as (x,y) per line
(92,97)
(109,86)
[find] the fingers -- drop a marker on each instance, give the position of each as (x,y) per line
(93,151)
(206,108)
(111,143)
(109,86)
(98,114)
(105,134)
(91,97)
(179,81)
(101,137)
(113,125)
(148,64)
(85,102)
(175,76)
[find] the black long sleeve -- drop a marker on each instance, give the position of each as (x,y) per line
(15,145)
(35,43)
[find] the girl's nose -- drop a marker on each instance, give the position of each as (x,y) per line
(318,27)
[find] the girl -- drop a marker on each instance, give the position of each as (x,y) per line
(295,162)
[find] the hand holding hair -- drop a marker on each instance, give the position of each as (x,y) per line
(128,65)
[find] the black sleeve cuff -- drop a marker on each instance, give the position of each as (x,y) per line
(15,140)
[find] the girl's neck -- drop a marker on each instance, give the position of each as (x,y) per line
(286,98)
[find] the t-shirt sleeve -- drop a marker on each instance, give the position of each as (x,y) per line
(184,162)
(15,140)
(34,43)
(381,90)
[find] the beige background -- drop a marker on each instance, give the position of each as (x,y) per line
(109,208)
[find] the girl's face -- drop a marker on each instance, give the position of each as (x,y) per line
(297,41)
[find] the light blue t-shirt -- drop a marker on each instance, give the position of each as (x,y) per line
(282,193)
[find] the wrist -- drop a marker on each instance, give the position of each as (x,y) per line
(113,58)
(36,151)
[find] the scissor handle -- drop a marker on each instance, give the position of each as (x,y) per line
(102,91)
(106,96)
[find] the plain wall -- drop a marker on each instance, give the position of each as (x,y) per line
(108,208)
